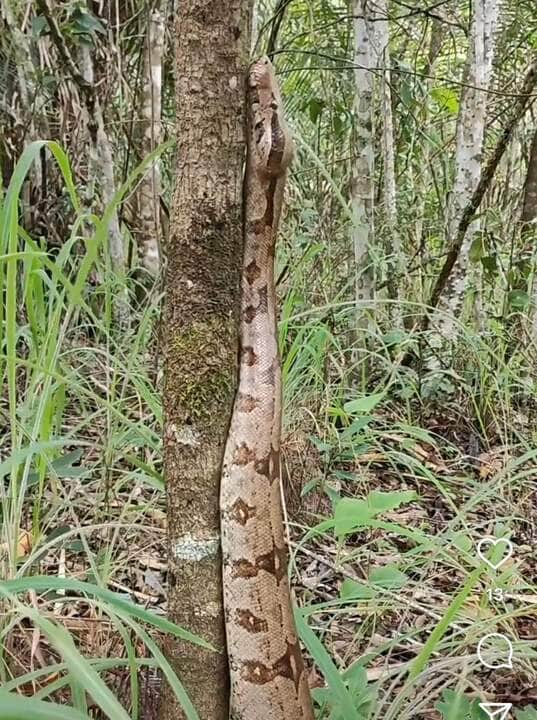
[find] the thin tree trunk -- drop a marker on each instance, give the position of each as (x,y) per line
(523,102)
(30,100)
(101,165)
(469,146)
(529,205)
(101,176)
(149,230)
(363,175)
(528,222)
(393,240)
(204,258)
(421,180)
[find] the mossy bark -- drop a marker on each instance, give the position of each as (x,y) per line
(201,329)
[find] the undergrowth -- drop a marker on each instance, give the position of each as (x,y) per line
(401,469)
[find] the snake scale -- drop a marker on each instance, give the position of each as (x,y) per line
(268,680)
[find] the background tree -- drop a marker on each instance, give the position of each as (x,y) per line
(469,141)
(151,228)
(362,194)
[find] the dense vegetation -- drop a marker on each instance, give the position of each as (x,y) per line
(408,331)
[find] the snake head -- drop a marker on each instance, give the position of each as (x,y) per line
(270,142)
(262,73)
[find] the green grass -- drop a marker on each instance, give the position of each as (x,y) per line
(66,396)
(392,601)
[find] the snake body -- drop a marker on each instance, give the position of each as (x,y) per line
(268,681)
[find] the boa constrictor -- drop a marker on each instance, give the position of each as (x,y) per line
(268,681)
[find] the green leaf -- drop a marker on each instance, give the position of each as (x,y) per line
(453,706)
(20,456)
(389,577)
(339,124)
(364,404)
(518,299)
(315,108)
(63,467)
(529,713)
(309,486)
(121,607)
(394,337)
(490,263)
(320,445)
(356,676)
(446,98)
(356,426)
(476,713)
(463,542)
(354,589)
(17,707)
(406,91)
(385,578)
(39,25)
(352,513)
(85,23)
(326,666)
(477,249)
(387,501)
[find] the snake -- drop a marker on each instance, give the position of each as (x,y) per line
(267,673)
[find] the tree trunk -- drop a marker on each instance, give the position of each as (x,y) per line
(363,177)
(393,240)
(528,222)
(29,103)
(470,136)
(201,329)
(149,230)
(529,206)
(420,179)
(102,183)
(522,104)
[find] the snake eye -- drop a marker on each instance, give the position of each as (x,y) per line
(258,125)
(273,105)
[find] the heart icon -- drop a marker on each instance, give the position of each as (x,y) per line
(486,544)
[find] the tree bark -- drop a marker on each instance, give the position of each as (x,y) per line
(363,176)
(149,231)
(470,137)
(528,225)
(529,206)
(102,183)
(393,240)
(201,329)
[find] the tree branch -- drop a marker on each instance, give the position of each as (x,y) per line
(58,40)
(469,212)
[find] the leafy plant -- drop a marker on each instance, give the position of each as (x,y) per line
(361,693)
(456,706)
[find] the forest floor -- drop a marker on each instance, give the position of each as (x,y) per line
(385,516)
